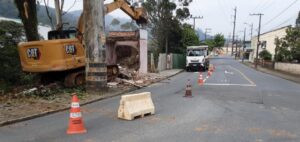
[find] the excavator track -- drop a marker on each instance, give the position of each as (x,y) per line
(77,78)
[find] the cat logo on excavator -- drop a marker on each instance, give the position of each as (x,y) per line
(63,54)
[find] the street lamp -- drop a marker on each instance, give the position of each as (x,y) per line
(244,44)
(251,27)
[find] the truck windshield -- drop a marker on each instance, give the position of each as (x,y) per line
(196,53)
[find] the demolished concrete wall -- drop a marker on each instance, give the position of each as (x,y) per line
(128,49)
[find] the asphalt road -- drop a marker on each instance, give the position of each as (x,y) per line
(236,104)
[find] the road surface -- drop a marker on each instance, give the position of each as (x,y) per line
(236,104)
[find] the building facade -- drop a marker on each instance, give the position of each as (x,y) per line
(269,39)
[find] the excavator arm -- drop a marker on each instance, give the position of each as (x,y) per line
(137,14)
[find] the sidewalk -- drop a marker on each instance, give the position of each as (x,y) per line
(169,73)
(23,108)
(281,74)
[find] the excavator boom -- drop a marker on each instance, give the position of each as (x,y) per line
(137,14)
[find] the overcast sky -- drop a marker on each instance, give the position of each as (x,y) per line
(218,14)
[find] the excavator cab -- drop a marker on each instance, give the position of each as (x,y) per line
(62,34)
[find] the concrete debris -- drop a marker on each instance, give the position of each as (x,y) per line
(38,90)
(112,84)
(131,82)
(32,90)
(139,81)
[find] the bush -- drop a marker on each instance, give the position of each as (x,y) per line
(11,33)
(266,55)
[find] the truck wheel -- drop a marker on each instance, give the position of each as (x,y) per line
(187,69)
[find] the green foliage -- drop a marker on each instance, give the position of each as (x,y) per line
(217,42)
(166,28)
(288,48)
(266,55)
(298,21)
(129,26)
(11,34)
(189,37)
(115,22)
(210,43)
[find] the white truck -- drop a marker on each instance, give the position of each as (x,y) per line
(197,58)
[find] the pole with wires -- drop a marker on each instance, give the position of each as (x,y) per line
(244,45)
(258,37)
(195,17)
(233,35)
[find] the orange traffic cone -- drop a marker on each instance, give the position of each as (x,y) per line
(209,73)
(212,69)
(188,90)
(76,125)
(200,80)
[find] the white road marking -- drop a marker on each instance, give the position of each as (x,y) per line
(243,85)
(248,79)
(226,72)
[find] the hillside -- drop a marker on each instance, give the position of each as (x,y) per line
(8,10)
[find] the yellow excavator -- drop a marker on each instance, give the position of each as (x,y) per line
(62,56)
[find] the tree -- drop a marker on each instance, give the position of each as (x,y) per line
(11,33)
(129,26)
(165,26)
(115,22)
(95,68)
(28,15)
(189,37)
(288,47)
(298,21)
(219,40)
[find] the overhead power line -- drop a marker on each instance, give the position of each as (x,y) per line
(284,22)
(281,12)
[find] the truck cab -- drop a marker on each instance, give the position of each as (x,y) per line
(197,58)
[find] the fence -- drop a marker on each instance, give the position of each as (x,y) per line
(177,61)
(266,64)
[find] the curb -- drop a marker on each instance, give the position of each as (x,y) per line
(264,70)
(4,123)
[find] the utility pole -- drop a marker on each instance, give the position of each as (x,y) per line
(234,23)
(207,30)
(94,39)
(236,46)
(228,40)
(258,36)
(244,45)
(196,17)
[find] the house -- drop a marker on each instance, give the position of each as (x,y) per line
(268,39)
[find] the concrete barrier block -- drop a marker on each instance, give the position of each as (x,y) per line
(136,105)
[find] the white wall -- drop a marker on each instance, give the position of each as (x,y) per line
(162,62)
(288,67)
(143,51)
